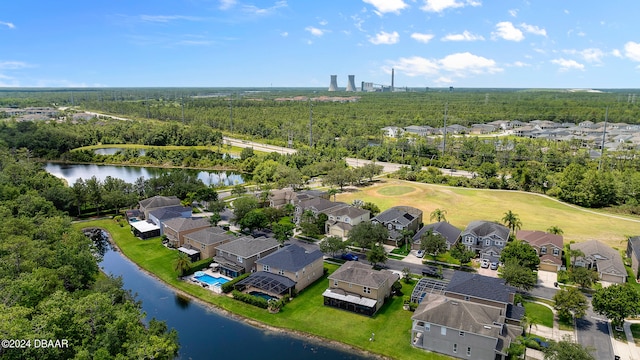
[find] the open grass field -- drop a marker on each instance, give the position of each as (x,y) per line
(306,313)
(464,205)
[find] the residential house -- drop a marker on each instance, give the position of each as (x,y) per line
(486,238)
(482,129)
(340,220)
(281,197)
(294,262)
(176,228)
(397,219)
(160,215)
(315,205)
(443,228)
(392,131)
(239,256)
(418,130)
(633,253)
(358,288)
(605,260)
(548,246)
(473,317)
(207,240)
(156,202)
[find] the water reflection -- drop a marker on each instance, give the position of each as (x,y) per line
(182,302)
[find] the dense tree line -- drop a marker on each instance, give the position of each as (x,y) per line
(50,283)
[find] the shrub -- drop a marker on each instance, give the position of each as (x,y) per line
(413,306)
(250,299)
(228,286)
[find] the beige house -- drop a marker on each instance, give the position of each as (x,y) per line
(207,240)
(341,220)
(239,256)
(175,229)
(358,288)
(294,262)
(605,260)
(548,246)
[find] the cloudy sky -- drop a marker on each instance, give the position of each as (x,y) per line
(262,43)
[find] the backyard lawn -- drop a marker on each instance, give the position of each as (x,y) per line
(463,205)
(539,314)
(306,313)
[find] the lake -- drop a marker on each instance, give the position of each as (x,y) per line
(72,172)
(204,333)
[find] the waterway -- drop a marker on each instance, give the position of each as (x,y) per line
(207,334)
(73,172)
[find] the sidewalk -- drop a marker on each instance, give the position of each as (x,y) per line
(628,350)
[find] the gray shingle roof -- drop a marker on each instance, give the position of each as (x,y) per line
(159,201)
(634,242)
(397,213)
(210,236)
(183,224)
(249,246)
(169,212)
(607,260)
(362,274)
(478,286)
(483,228)
(291,258)
(450,232)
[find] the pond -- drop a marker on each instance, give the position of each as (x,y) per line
(204,333)
(72,172)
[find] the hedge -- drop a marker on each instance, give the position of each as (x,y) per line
(228,286)
(250,299)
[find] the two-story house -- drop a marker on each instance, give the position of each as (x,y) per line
(358,288)
(486,238)
(316,205)
(207,240)
(340,220)
(548,246)
(397,219)
(175,229)
(294,262)
(157,202)
(474,317)
(239,256)
(160,215)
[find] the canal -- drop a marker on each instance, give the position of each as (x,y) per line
(204,333)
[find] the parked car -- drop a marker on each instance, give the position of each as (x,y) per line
(494,266)
(420,253)
(484,264)
(543,344)
(349,257)
(431,272)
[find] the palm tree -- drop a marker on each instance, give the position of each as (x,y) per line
(574,254)
(555,230)
(512,221)
(333,191)
(183,263)
(438,215)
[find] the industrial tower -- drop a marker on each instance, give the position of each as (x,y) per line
(333,86)
(351,84)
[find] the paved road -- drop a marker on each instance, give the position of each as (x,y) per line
(593,331)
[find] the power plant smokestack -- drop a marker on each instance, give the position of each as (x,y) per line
(392,78)
(351,84)
(333,86)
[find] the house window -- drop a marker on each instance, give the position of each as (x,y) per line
(556,251)
(427,327)
(338,218)
(390,226)
(239,258)
(468,350)
(466,298)
(443,331)
(455,348)
(499,243)
(335,282)
(265,268)
(367,290)
(487,242)
(543,250)
(461,333)
(281,272)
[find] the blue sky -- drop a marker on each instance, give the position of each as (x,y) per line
(222,43)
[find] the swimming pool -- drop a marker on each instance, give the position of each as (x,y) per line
(263,295)
(211,280)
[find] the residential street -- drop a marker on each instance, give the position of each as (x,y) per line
(593,331)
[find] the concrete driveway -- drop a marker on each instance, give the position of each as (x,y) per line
(547,278)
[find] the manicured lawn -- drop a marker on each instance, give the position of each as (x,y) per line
(306,313)
(539,314)
(635,330)
(396,190)
(465,205)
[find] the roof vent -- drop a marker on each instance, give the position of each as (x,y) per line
(487,327)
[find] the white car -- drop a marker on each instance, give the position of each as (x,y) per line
(484,264)
(420,253)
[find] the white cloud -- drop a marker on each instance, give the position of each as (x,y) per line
(8,24)
(462,63)
(323,22)
(520,64)
(532,29)
(566,65)
(314,31)
(513,12)
(453,66)
(439,6)
(387,6)
(592,55)
(227,4)
(284,34)
(254,10)
(167,18)
(465,36)
(423,38)
(385,38)
(632,50)
(616,53)
(505,30)
(13,65)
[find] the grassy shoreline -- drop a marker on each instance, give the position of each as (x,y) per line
(304,316)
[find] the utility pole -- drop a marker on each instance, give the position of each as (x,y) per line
(231,112)
(604,135)
(310,124)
